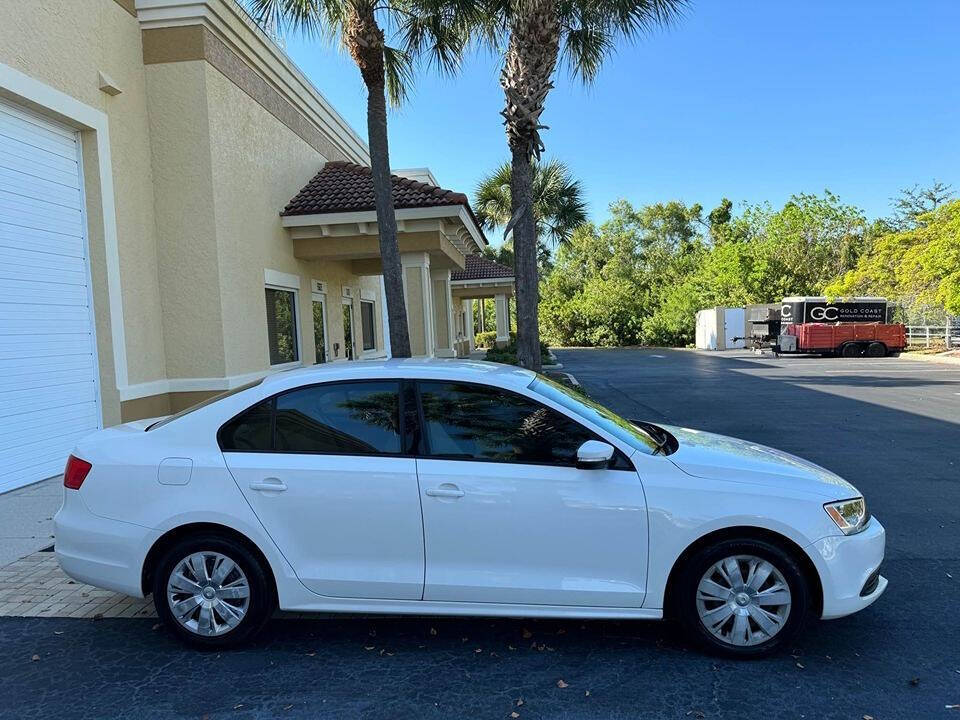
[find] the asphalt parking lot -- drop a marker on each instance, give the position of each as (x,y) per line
(891,426)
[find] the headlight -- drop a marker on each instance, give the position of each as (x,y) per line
(850,515)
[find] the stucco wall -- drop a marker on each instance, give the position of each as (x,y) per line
(258,164)
(64,44)
(183,188)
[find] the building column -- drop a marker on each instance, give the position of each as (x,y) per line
(385,319)
(417,297)
(442,313)
(503,320)
(468,324)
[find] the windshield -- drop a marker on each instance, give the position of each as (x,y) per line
(203,403)
(594,412)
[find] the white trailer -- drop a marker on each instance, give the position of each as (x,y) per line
(721,328)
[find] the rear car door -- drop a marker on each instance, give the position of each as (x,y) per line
(324,468)
(509,518)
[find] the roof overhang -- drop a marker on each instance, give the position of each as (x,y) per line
(482,288)
(456,224)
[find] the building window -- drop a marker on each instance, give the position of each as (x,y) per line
(282,326)
(320,327)
(367,325)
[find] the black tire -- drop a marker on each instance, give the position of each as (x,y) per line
(262,593)
(851,350)
(684,597)
(876,350)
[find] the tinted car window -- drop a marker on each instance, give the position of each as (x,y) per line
(475,422)
(604,417)
(250,430)
(340,418)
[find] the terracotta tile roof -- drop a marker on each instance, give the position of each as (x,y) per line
(480,268)
(346,187)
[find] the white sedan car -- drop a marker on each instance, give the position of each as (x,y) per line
(459,488)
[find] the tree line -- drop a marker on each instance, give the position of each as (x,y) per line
(640,276)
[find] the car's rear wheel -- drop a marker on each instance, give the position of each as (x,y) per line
(742,598)
(211,591)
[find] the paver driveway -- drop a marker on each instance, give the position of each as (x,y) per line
(890,426)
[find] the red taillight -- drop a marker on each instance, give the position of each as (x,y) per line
(75,472)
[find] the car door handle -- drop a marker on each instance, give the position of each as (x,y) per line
(446,490)
(270,485)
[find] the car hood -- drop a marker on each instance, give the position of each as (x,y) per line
(718,457)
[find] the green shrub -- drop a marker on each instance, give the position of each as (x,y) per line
(508,354)
(488,338)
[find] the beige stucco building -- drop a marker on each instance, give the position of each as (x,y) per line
(163,236)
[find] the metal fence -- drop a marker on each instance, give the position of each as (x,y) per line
(947,336)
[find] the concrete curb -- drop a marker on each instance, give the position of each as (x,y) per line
(944,359)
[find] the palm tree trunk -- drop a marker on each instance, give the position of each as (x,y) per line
(365,41)
(525,260)
(528,66)
(387,220)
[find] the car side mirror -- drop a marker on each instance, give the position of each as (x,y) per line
(594,455)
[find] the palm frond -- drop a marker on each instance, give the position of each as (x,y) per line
(584,50)
(398,74)
(592,26)
(491,199)
(559,207)
(303,16)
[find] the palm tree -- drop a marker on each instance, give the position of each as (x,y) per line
(424,28)
(558,204)
(539,34)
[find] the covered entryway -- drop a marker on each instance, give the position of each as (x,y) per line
(481,278)
(49,396)
(333,219)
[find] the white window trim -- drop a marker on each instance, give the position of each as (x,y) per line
(281,280)
(321,297)
(375,350)
(296,326)
(348,302)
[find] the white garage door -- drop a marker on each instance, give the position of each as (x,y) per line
(48,366)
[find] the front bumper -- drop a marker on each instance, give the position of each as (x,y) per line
(98,551)
(847,565)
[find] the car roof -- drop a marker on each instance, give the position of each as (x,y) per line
(489,373)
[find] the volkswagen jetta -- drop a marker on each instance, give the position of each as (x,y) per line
(459,488)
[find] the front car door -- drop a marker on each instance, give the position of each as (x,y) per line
(323,467)
(509,518)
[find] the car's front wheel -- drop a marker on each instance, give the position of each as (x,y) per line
(742,598)
(211,591)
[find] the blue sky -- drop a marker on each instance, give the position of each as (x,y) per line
(749,99)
